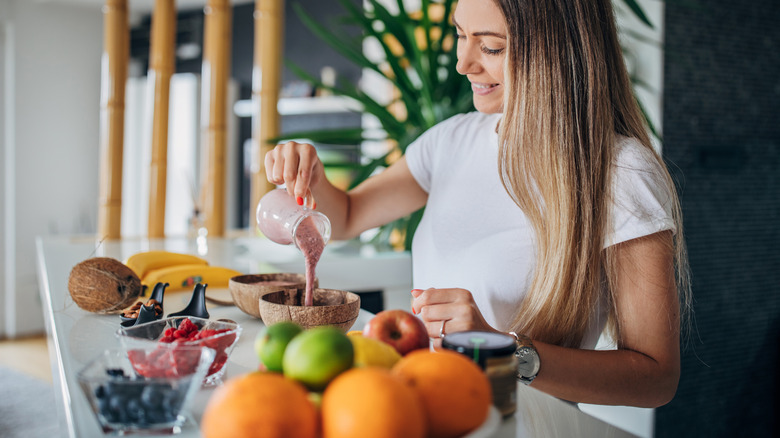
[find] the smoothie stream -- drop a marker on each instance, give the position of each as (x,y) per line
(311,244)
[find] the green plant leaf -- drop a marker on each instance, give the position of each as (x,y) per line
(650,124)
(390,124)
(367,170)
(345,136)
(349,50)
(638,11)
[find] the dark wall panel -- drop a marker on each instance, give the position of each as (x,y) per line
(722,139)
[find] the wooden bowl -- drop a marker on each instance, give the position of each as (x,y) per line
(246,290)
(332,307)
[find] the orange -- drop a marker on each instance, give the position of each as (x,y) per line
(260,405)
(370,401)
(455,392)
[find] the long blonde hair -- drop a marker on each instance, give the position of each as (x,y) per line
(567,98)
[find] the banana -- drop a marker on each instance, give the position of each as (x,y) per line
(145,262)
(181,277)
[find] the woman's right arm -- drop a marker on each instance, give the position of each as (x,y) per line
(382,198)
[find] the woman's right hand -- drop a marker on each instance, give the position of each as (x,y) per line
(297,166)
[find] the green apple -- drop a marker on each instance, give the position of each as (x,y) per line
(317,356)
(272,341)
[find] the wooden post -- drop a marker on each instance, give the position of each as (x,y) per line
(116,50)
(266,83)
(161,68)
(216,73)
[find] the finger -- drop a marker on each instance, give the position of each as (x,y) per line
(307,160)
(439,312)
(290,168)
(415,305)
(435,296)
(278,169)
(269,166)
(434,328)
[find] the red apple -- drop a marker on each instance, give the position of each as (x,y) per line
(399,328)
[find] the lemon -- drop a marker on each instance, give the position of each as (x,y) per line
(272,341)
(373,352)
(317,356)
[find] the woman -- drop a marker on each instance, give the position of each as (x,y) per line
(548,214)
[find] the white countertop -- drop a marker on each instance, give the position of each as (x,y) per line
(76,336)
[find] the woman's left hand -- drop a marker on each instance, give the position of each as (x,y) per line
(452,309)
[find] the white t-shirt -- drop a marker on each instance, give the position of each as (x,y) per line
(473,236)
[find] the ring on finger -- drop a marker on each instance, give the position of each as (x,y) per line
(441,332)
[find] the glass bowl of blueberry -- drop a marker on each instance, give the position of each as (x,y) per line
(174,332)
(145,389)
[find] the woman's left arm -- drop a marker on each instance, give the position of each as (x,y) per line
(645,368)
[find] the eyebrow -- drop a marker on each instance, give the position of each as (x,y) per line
(481,33)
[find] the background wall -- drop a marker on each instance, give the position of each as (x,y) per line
(721,100)
(52,71)
(3,160)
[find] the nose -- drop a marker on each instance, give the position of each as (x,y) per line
(467,59)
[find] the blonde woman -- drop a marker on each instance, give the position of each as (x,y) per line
(547,213)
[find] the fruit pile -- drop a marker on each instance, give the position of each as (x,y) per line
(324,383)
(136,403)
(181,271)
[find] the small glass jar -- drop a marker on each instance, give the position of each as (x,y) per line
(278,217)
(495,354)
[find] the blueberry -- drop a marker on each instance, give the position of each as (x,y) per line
(122,416)
(100,392)
(103,407)
(115,372)
(116,403)
(152,396)
(133,408)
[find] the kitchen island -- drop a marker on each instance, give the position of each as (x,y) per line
(76,336)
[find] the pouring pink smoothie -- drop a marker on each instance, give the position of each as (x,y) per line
(285,222)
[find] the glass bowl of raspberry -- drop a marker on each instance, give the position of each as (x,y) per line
(173,332)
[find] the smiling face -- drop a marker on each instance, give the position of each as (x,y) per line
(482,43)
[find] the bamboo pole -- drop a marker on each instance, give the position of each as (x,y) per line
(266,83)
(161,68)
(116,50)
(216,73)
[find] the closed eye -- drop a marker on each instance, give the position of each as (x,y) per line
(489,51)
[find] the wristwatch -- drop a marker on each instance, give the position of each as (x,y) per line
(528,362)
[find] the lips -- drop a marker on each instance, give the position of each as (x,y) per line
(482,89)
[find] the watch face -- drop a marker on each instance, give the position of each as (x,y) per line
(527,362)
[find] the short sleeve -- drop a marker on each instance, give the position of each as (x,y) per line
(642,197)
(421,154)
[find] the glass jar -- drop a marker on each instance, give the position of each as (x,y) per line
(495,354)
(279,216)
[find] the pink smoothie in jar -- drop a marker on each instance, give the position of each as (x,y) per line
(285,222)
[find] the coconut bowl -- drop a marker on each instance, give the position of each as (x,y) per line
(331,307)
(246,290)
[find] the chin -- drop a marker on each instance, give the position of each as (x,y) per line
(488,107)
